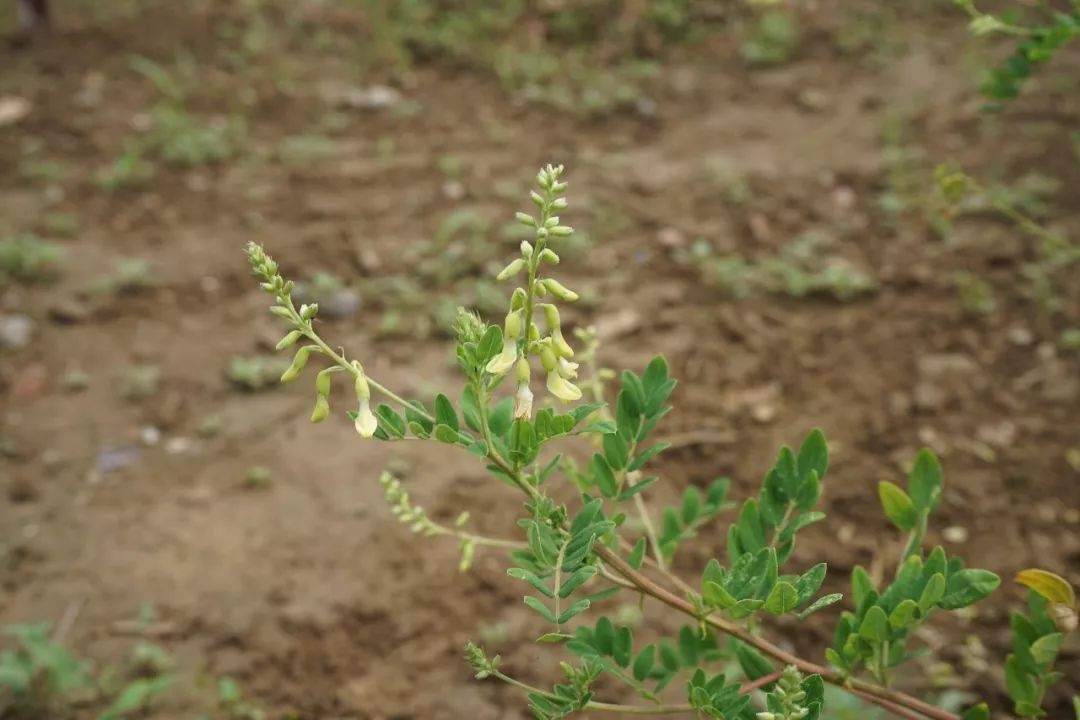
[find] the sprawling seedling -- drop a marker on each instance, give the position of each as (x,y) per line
(572,556)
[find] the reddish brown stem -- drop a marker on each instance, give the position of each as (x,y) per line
(899,704)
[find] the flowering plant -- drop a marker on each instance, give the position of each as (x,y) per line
(571,557)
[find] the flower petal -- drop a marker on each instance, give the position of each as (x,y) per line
(560,388)
(366,422)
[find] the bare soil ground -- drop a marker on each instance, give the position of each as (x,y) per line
(304,588)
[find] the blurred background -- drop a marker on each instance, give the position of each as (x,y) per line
(753,188)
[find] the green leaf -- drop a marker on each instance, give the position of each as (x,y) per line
(540,607)
(810,582)
(656,374)
(531,578)
(783,598)
(836,660)
(897,505)
(627,417)
(925,481)
(554,637)
(637,555)
(668,657)
(581,412)
(691,505)
(603,476)
(393,423)
(444,412)
(1029,710)
(875,625)
(800,522)
(643,663)
(751,533)
(645,456)
(575,610)
(1046,648)
(716,596)
(632,385)
(977,712)
(754,665)
(637,487)
(416,413)
(1020,686)
(904,615)
(932,593)
(616,451)
(822,602)
(576,579)
(500,417)
(623,647)
(489,346)
(809,491)
(688,646)
(967,587)
(861,585)
(604,635)
(599,427)
(446,434)
(787,469)
(470,408)
(136,696)
(813,455)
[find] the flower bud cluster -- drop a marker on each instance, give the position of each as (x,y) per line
(791,696)
(522,336)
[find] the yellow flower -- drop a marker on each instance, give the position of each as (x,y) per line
(501,363)
(523,400)
(366,422)
(558,386)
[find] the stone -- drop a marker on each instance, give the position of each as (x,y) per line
(15,331)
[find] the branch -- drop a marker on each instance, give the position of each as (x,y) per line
(896,702)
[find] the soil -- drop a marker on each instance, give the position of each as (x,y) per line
(304,588)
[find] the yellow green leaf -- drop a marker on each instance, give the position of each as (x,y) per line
(1054,588)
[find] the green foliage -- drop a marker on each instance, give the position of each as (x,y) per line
(39,672)
(574,552)
(27,257)
(798,270)
(1036,45)
(773,39)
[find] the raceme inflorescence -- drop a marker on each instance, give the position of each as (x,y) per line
(527,391)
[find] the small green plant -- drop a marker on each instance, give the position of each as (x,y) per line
(1037,43)
(258,477)
(306,150)
(773,40)
(976,295)
(231,702)
(130,275)
(957,193)
(140,382)
(38,673)
(27,257)
(254,372)
(572,556)
(797,270)
(129,169)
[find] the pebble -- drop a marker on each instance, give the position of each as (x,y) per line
(671,238)
(69,311)
(178,445)
(955,534)
(15,331)
(149,435)
(30,382)
(112,458)
(1020,335)
(13,109)
(342,304)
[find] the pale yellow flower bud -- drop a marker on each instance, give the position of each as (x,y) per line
(523,400)
(322,409)
(559,290)
(511,270)
(298,363)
